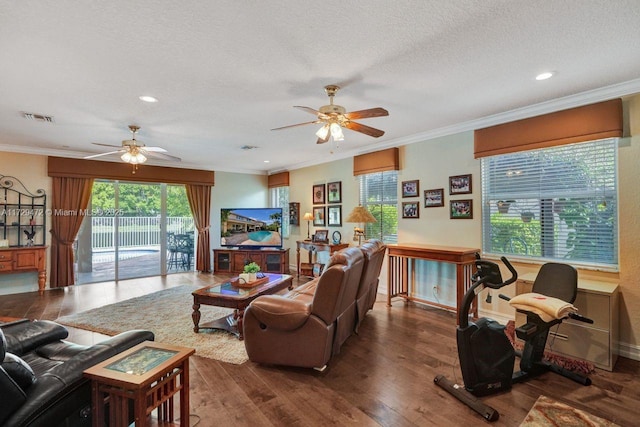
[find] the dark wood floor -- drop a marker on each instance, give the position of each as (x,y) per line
(383,376)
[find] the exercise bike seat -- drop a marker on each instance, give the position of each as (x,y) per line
(557,281)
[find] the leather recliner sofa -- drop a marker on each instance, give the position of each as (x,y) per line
(309,324)
(304,327)
(374,252)
(41,375)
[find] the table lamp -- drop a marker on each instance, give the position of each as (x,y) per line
(308,217)
(360,215)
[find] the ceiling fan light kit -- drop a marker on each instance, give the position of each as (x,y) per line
(335,117)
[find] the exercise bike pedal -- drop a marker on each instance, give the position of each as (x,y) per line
(527,330)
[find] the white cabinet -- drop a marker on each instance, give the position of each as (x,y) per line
(595,342)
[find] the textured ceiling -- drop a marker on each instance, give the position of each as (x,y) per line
(226,72)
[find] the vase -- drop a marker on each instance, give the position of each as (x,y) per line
(244,277)
(252,277)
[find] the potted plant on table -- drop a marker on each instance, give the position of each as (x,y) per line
(249,272)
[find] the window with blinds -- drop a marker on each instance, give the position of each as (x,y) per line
(379,194)
(556,203)
(280,199)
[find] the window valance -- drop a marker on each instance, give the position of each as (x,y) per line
(586,123)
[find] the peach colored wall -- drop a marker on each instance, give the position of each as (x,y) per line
(32,171)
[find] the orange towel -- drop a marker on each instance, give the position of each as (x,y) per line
(548,308)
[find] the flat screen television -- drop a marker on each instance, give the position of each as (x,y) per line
(251,227)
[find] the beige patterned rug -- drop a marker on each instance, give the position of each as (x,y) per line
(547,412)
(167,314)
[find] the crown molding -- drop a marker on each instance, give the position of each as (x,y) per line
(571,101)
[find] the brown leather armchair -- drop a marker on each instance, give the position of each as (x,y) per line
(309,324)
(374,251)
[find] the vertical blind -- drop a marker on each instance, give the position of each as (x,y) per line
(557,203)
(280,199)
(379,194)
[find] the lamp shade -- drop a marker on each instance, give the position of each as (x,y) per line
(308,216)
(360,214)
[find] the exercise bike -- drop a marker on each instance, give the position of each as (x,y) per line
(486,355)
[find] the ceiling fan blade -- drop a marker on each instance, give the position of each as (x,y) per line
(364,114)
(299,124)
(155,149)
(307,109)
(106,145)
(103,154)
(320,115)
(160,155)
(364,129)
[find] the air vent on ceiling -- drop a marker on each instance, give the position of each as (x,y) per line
(38,117)
(248,147)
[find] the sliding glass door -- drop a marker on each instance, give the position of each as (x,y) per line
(135,230)
(138,230)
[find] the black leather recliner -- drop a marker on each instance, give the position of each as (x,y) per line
(41,375)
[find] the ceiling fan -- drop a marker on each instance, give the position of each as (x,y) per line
(335,117)
(134,151)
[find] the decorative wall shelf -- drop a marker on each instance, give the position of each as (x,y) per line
(23,220)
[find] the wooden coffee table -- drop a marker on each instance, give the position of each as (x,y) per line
(226,295)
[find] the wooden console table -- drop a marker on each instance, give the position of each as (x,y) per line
(234,260)
(402,272)
(316,247)
(26,258)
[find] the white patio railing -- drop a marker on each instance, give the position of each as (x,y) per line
(134,232)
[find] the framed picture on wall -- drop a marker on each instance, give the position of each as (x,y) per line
(410,188)
(294,213)
(460,184)
(461,209)
(334,216)
(318,194)
(410,210)
(434,198)
(334,192)
(318,216)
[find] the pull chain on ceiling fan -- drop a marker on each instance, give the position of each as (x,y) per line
(335,117)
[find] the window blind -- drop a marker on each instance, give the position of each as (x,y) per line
(379,194)
(556,203)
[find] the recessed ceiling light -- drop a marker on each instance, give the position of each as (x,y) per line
(544,76)
(147,98)
(266,161)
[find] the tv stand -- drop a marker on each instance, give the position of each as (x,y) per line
(270,260)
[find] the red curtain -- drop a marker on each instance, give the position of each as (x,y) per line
(199,197)
(70,198)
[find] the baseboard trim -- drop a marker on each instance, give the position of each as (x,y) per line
(629,351)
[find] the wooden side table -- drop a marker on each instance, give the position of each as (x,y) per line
(149,374)
(312,247)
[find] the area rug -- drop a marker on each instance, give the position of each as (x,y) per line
(579,366)
(167,314)
(546,412)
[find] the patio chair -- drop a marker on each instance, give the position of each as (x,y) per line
(173,259)
(184,248)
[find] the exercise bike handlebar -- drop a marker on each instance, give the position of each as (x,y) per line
(514,273)
(493,279)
